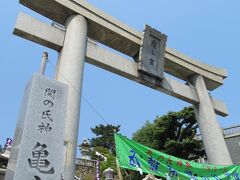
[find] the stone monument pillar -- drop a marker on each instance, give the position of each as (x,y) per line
(37,152)
(70,71)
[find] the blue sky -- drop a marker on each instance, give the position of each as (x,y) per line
(205,30)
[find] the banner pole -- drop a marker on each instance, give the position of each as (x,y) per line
(119,171)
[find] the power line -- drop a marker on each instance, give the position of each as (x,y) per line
(85,99)
(94,109)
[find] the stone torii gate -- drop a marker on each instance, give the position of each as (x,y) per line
(81,22)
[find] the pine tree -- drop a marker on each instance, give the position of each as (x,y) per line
(104,136)
(174,134)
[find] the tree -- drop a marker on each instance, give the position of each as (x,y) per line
(104,144)
(173,134)
(109,162)
(105,136)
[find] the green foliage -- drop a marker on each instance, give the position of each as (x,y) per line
(105,136)
(173,134)
(104,143)
(111,159)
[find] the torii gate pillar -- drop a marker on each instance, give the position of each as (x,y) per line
(214,144)
(70,71)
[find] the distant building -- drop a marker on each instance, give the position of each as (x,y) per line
(232,138)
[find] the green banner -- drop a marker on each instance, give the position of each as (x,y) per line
(137,157)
